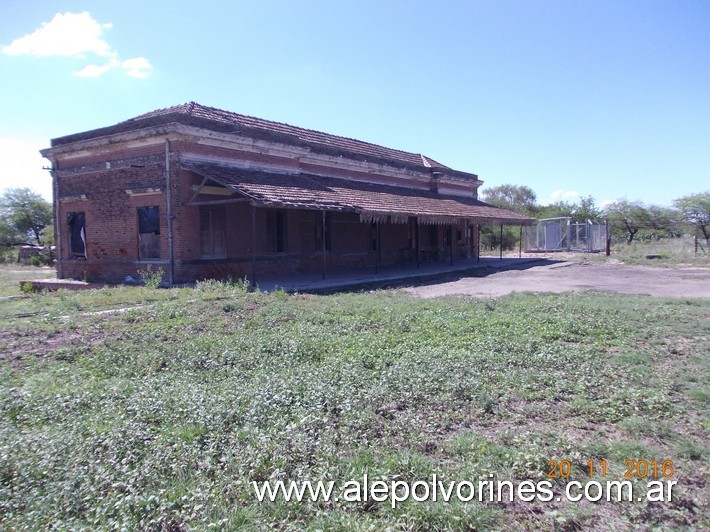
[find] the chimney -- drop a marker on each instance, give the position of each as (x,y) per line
(434,181)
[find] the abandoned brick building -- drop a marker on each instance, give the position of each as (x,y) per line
(206,193)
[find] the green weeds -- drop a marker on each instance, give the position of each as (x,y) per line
(152,278)
(161,415)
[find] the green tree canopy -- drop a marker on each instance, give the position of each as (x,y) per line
(559,209)
(516,198)
(585,210)
(663,222)
(23,215)
(9,235)
(627,218)
(695,210)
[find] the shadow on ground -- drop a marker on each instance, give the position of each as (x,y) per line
(428,280)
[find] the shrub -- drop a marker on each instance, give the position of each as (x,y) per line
(27,288)
(152,278)
(8,255)
(216,286)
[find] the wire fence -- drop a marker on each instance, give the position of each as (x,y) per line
(561,234)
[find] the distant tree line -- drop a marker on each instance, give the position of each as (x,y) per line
(25,218)
(628,220)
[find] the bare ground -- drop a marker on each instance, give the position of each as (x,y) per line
(569,276)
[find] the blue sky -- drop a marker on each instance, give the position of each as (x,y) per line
(572,98)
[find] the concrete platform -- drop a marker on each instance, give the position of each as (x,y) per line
(343,280)
(313,282)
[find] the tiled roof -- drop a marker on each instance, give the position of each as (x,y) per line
(369,200)
(325,141)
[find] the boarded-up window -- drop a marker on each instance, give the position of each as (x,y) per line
(212,232)
(319,235)
(77,235)
(148,232)
(276,231)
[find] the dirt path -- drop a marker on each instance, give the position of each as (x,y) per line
(568,276)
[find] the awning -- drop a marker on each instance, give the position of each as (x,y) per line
(373,202)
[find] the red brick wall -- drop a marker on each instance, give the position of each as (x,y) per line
(112,225)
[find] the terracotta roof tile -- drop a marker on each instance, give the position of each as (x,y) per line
(326,141)
(325,193)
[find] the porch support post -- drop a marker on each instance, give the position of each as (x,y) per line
(377,251)
(323,239)
(451,244)
(472,238)
(501,241)
(416,241)
(478,242)
(253,244)
(520,243)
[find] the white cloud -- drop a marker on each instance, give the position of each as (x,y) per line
(94,71)
(608,202)
(138,67)
(68,34)
(77,35)
(22,166)
(560,194)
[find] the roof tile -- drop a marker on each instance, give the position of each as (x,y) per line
(327,193)
(307,136)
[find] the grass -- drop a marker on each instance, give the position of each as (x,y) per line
(12,274)
(161,414)
(670,252)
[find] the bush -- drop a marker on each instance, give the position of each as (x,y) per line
(8,255)
(239,285)
(27,288)
(152,278)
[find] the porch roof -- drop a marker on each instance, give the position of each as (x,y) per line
(373,202)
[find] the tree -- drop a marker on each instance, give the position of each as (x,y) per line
(627,218)
(516,198)
(695,209)
(586,210)
(662,222)
(559,209)
(24,216)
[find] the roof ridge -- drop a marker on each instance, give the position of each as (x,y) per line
(300,128)
(198,110)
